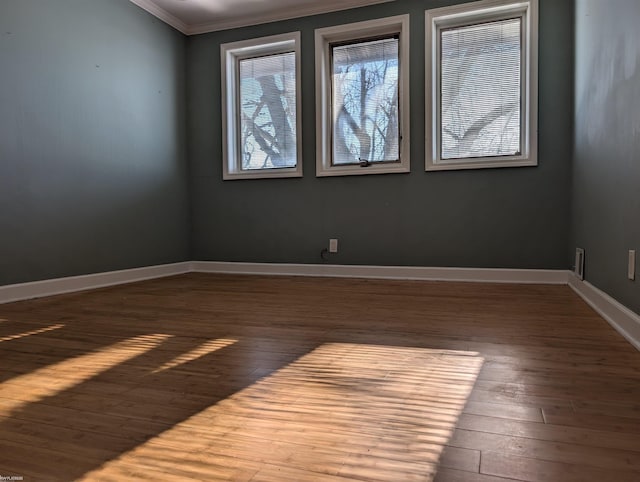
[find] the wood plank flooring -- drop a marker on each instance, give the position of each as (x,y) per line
(227,377)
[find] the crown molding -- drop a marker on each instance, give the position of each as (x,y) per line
(316,8)
(163,15)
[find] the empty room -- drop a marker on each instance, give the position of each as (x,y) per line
(293,240)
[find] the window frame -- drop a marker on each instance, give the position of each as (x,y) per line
(230,56)
(467,14)
(325,38)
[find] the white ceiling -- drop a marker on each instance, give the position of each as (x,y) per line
(200,16)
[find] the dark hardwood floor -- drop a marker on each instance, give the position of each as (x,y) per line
(224,377)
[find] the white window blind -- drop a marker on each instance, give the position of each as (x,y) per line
(268,111)
(481,90)
(365,114)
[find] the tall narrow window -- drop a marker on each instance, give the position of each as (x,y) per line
(362,84)
(481,85)
(261,108)
(365,102)
(268,112)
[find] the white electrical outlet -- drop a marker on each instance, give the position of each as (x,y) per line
(333,245)
(632,264)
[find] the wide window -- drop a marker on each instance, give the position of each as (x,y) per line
(261,108)
(481,85)
(362,83)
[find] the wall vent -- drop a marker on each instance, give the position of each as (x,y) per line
(579,267)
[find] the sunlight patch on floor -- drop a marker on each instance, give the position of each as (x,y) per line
(45,382)
(204,349)
(32,332)
(348,410)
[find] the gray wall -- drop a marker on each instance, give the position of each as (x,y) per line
(510,217)
(94,134)
(606,185)
(93,173)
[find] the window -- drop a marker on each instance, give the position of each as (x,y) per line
(362,84)
(261,107)
(481,85)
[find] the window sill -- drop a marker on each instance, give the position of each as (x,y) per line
(355,170)
(263,174)
(453,165)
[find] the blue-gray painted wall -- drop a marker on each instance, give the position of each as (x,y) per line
(101,103)
(93,168)
(94,176)
(606,174)
(503,218)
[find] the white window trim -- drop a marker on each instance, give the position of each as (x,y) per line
(482,11)
(324,37)
(230,55)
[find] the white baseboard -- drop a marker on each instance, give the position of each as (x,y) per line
(38,289)
(625,321)
(479,275)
